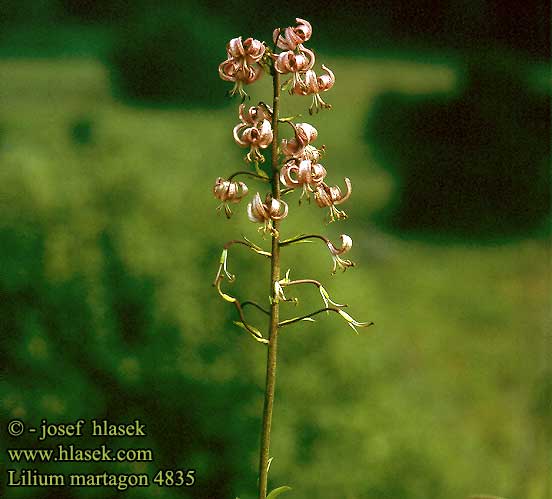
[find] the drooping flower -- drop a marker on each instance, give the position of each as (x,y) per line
(241,65)
(326,196)
(306,174)
(256,135)
(346,245)
(290,62)
(310,84)
(253,115)
(228,192)
(293,36)
(231,70)
(248,52)
(304,135)
(265,213)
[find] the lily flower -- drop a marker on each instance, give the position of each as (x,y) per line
(249,52)
(258,136)
(331,196)
(293,37)
(236,71)
(228,191)
(290,62)
(304,135)
(241,67)
(313,85)
(271,209)
(346,245)
(305,174)
(253,115)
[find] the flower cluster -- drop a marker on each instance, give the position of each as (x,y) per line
(241,66)
(300,164)
(302,169)
(299,61)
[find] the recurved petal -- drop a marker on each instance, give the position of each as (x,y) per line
(286,178)
(273,205)
(306,133)
(266,132)
(292,38)
(281,212)
(344,198)
(254,49)
(318,173)
(256,211)
(346,245)
(283,63)
(251,215)
(304,172)
(309,57)
(275,36)
(235,47)
(236,133)
(321,196)
(325,82)
(227,70)
(303,29)
(311,83)
(289,147)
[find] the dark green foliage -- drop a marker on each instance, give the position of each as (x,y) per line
(167,56)
(89,372)
(476,163)
(105,11)
(82,131)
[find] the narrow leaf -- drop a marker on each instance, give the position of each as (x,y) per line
(276,492)
(253,331)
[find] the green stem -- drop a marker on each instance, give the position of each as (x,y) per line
(274,308)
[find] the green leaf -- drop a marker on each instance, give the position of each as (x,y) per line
(258,335)
(260,172)
(276,492)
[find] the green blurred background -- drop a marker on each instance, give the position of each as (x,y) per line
(113,128)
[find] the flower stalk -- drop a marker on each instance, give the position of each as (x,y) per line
(294,164)
(271,360)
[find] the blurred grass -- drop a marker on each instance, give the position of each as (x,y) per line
(437,400)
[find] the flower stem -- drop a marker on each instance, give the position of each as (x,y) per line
(274,308)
